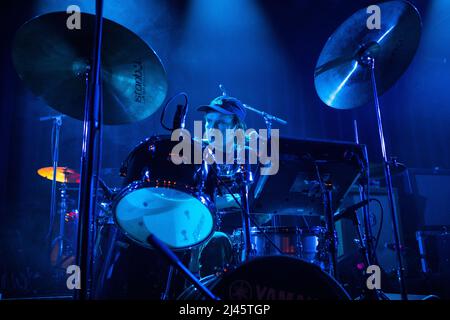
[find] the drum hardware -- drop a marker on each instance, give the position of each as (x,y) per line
(245,178)
(308,244)
(170,275)
(62,222)
(64,176)
(176,263)
(347,70)
(56,129)
(365,240)
(250,219)
(326,189)
(365,244)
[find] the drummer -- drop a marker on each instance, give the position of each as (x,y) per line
(224,112)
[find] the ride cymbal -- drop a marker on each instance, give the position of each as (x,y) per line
(342,78)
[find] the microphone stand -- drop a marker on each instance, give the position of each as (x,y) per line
(268,119)
(56,131)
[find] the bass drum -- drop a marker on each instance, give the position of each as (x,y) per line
(272,278)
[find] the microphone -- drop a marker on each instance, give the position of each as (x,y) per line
(179,118)
(349,211)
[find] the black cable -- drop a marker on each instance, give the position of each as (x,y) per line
(366,166)
(166,105)
(381,222)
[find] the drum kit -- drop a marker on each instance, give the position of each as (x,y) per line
(166,206)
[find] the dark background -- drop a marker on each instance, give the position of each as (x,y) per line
(264,52)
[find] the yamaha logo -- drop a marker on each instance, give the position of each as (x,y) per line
(243,290)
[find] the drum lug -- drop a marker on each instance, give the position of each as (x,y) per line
(152,148)
(146,175)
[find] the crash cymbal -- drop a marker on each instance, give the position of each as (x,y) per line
(52,60)
(342,79)
(63,174)
(377,170)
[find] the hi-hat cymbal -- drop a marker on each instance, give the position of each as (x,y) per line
(53,60)
(342,79)
(63,174)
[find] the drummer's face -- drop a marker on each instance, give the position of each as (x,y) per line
(220,121)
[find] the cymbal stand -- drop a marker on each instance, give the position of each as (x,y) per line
(246,178)
(90,160)
(56,132)
(367,294)
(364,194)
(369,61)
(268,119)
(326,189)
(63,210)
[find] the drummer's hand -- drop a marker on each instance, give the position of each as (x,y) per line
(227,201)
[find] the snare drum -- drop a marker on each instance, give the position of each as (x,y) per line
(163,198)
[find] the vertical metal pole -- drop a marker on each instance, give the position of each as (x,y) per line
(368,237)
(90,160)
(329,217)
(62,216)
(387,173)
(57,122)
(327,197)
(246,218)
(275,218)
(166,293)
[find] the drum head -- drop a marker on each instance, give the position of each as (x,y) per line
(179,219)
(278,278)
